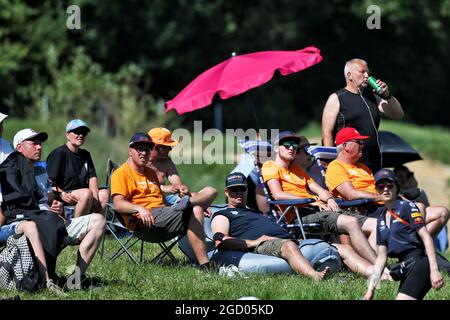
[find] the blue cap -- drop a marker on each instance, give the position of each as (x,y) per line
(385,174)
(235,179)
(284,135)
(140,137)
(75,124)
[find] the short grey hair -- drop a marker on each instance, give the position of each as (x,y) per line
(339,149)
(349,65)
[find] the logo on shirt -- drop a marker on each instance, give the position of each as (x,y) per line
(234,212)
(418,220)
(415,215)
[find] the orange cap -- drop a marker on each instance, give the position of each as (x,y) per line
(162,136)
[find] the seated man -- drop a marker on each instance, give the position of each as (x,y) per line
(135,187)
(72,171)
(349,179)
(409,187)
(164,167)
(288,181)
(21,195)
(240,228)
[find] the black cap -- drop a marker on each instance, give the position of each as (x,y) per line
(141,138)
(284,135)
(235,179)
(385,174)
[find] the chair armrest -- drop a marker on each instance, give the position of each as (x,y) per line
(351,203)
(113,208)
(292,202)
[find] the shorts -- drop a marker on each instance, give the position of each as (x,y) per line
(169,223)
(6,231)
(328,219)
(271,247)
(416,282)
(77,229)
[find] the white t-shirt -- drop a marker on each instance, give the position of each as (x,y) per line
(5,149)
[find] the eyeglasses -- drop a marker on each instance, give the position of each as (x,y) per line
(163,148)
(382,186)
(360,142)
(237,189)
(80,132)
(288,144)
(142,148)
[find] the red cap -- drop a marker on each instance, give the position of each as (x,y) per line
(347,134)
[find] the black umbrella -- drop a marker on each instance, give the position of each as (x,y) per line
(396,151)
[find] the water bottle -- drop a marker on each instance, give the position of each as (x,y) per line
(68,211)
(373,83)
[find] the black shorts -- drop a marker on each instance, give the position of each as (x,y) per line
(416,282)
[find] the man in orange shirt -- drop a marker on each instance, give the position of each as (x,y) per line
(135,187)
(349,179)
(288,181)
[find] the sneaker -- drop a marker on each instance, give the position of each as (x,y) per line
(52,287)
(231,271)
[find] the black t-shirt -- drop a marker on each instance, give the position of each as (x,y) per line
(250,225)
(69,170)
(353,112)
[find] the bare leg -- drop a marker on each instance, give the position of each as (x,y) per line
(298,262)
(204,197)
(84,203)
(402,296)
(196,235)
(29,229)
(436,218)
(350,226)
(370,229)
(353,261)
(91,241)
(103,195)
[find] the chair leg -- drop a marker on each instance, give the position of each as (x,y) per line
(166,251)
(142,249)
(123,247)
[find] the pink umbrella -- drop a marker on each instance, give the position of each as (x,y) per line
(239,74)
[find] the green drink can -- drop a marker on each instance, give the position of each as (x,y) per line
(373,83)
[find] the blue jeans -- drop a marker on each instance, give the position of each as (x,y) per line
(6,231)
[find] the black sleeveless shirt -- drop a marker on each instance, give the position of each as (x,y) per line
(353,112)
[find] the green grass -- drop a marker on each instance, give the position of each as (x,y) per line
(122,279)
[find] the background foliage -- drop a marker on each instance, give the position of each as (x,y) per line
(131,56)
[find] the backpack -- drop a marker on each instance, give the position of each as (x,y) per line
(321,254)
(18,270)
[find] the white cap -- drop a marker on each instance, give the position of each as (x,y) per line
(27,134)
(3,117)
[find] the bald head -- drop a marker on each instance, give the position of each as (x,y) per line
(350,66)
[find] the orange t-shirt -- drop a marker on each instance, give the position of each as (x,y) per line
(358,174)
(293,180)
(141,189)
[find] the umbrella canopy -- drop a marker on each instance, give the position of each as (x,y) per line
(395,150)
(239,74)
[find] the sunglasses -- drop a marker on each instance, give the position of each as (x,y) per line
(80,132)
(141,148)
(237,189)
(382,186)
(288,144)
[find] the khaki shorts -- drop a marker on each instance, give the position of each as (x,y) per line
(328,219)
(77,228)
(271,247)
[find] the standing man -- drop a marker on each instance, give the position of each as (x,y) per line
(359,107)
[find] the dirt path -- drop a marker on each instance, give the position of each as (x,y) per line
(432,177)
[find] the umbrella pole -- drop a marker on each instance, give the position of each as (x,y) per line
(252,106)
(218,115)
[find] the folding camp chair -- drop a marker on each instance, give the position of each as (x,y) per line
(252,147)
(128,238)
